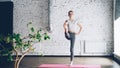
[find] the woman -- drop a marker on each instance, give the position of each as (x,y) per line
(70,32)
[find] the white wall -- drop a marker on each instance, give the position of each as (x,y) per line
(117,28)
(25,11)
(95,16)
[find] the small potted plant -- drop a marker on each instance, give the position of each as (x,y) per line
(14,43)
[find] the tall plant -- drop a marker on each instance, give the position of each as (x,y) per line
(14,43)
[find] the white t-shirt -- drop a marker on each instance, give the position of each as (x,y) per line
(72,25)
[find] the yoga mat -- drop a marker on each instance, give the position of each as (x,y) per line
(67,66)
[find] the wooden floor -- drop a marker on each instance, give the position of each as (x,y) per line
(33,62)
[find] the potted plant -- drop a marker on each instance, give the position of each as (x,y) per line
(14,43)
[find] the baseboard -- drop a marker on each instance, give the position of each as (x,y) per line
(109,56)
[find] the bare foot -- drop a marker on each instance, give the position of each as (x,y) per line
(71,63)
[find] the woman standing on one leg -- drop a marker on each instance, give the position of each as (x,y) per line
(70,32)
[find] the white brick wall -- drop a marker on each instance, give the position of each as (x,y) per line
(26,11)
(95,16)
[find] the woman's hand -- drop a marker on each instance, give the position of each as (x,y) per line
(77,33)
(80,29)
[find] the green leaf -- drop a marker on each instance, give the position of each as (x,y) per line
(38,36)
(46,36)
(30,35)
(8,39)
(26,45)
(17,40)
(32,29)
(10,58)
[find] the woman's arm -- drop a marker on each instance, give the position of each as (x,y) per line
(65,26)
(80,28)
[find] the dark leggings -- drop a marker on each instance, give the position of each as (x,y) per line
(71,37)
